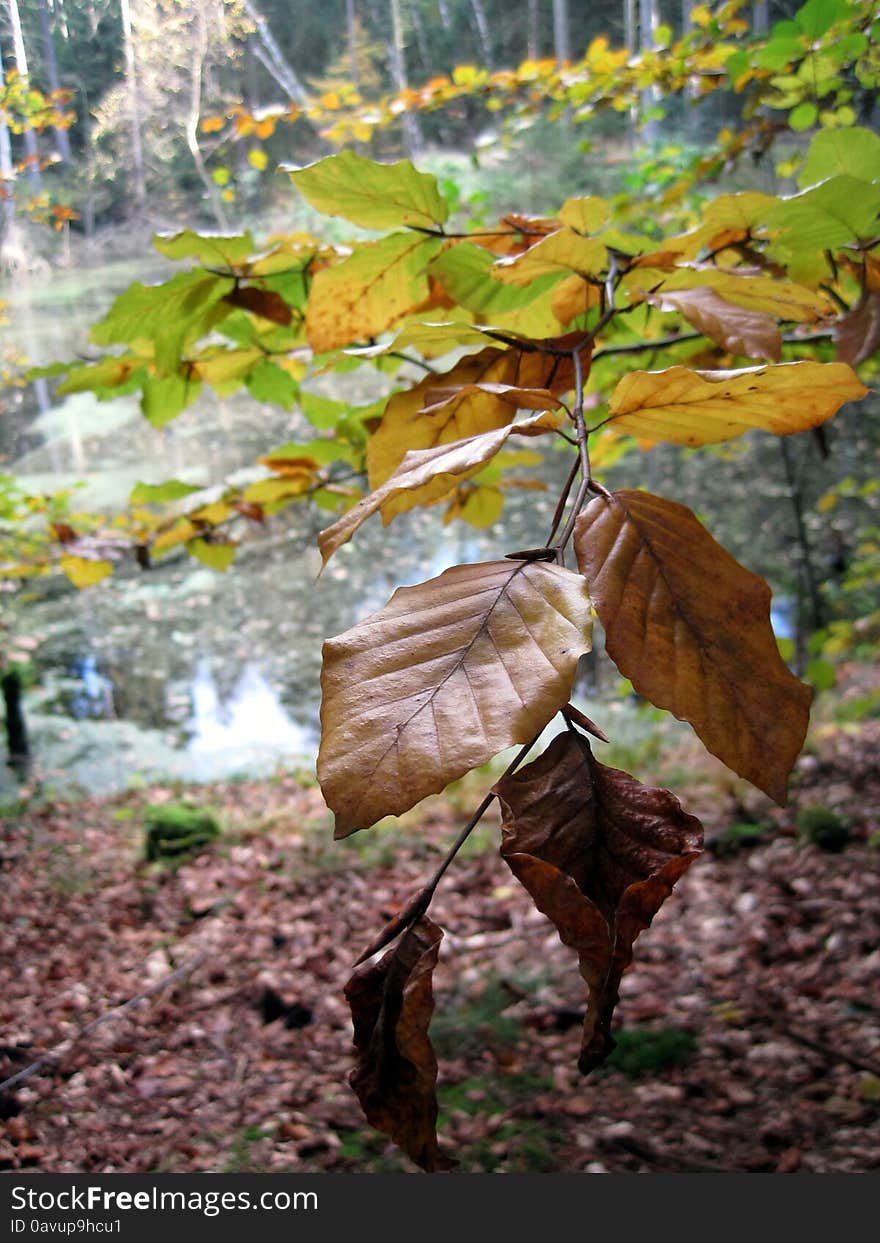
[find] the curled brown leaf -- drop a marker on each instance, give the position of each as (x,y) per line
(395,1078)
(599,853)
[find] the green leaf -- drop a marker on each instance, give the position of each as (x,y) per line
(374,196)
(323,451)
(838,212)
(804,116)
(168,315)
(217,556)
(161,493)
(822,674)
(322,412)
(110,375)
(855,152)
(818,16)
(164,397)
(777,54)
(272,384)
(464,271)
(215,249)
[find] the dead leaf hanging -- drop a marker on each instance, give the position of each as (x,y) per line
(599,853)
(395,1078)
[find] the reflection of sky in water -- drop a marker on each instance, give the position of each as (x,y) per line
(252,718)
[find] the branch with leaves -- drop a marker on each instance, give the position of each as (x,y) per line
(454,671)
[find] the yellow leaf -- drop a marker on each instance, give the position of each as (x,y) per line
(586,215)
(690,628)
(561,252)
(574,296)
(362,296)
(446,675)
(265,491)
(257,158)
(425,476)
(84,572)
(687,407)
(405,425)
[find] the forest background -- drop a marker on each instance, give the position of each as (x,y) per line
(127,119)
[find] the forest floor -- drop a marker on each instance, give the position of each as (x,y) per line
(750,1021)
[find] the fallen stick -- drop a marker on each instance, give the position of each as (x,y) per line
(56,1055)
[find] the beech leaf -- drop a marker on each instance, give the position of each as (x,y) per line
(368,292)
(446,675)
(599,854)
(482,408)
(427,475)
(395,1078)
(690,627)
(372,195)
(558,254)
(857,334)
(753,334)
(687,407)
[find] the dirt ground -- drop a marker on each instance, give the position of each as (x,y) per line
(750,1018)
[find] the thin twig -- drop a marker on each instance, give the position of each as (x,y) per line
(418,905)
(66,1046)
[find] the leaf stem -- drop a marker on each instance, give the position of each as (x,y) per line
(419,903)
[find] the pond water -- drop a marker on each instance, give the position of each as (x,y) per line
(182,671)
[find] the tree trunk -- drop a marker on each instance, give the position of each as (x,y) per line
(351,30)
(482,24)
(647,26)
(18,748)
(760,17)
(561,40)
(422,41)
(273,59)
(62,138)
(134,107)
(533,41)
(7,175)
(412,134)
(30,138)
(629,25)
(200,48)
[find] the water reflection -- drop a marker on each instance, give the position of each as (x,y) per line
(252,718)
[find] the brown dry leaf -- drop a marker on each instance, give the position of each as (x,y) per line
(263,302)
(448,674)
(690,628)
(395,1079)
(857,335)
(599,853)
(685,407)
(752,334)
(750,288)
(425,476)
(405,424)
